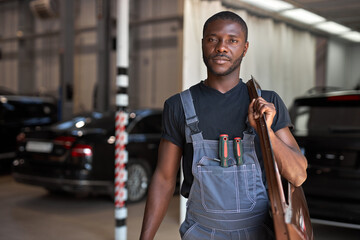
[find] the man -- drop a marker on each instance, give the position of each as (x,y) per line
(223,202)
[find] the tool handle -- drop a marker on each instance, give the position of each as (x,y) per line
(224,150)
(238,150)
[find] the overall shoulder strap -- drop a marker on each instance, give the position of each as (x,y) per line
(192,121)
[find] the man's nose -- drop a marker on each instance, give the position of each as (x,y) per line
(221,46)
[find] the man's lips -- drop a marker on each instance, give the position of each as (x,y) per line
(220,60)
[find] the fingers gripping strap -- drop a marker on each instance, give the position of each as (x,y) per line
(249,128)
(192,120)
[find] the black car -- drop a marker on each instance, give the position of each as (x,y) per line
(327,128)
(78,155)
(17,113)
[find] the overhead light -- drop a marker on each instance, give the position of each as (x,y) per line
(288,10)
(272,5)
(352,36)
(303,16)
(332,27)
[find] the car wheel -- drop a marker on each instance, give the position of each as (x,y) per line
(138,180)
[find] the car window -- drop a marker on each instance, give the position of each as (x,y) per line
(88,120)
(16,111)
(149,124)
(326,118)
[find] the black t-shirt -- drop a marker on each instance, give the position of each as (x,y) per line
(218,113)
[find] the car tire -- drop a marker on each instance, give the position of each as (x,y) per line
(138,180)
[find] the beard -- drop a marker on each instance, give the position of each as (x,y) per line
(235,64)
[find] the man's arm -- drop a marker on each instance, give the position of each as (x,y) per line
(291,162)
(161,189)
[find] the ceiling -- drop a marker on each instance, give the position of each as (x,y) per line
(345,12)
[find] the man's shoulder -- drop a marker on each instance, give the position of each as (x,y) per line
(175,99)
(269,95)
(273,97)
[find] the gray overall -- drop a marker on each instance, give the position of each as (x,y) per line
(224,203)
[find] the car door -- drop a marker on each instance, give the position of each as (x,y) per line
(144,139)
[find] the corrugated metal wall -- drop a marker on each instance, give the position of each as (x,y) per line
(155,54)
(155,51)
(46,53)
(8,63)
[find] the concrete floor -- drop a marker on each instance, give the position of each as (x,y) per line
(30,213)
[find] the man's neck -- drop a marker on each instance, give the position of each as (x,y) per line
(222,83)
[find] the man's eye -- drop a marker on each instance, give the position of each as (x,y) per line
(234,41)
(212,40)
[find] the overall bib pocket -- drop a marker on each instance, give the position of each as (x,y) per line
(226,190)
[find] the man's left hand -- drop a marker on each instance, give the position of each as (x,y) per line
(257,108)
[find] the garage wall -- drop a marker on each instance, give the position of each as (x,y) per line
(155,51)
(343,64)
(353,67)
(48,62)
(46,58)
(85,62)
(45,53)
(155,54)
(8,61)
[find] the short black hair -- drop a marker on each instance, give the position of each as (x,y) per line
(227,15)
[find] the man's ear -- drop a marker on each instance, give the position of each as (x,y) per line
(245,48)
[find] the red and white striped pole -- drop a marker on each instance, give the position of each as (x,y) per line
(122,102)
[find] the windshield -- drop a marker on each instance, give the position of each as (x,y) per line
(26,112)
(91,120)
(327,119)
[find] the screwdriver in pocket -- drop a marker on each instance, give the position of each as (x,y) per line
(238,150)
(223,150)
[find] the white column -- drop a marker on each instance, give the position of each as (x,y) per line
(122,102)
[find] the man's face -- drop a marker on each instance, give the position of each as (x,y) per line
(223,46)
